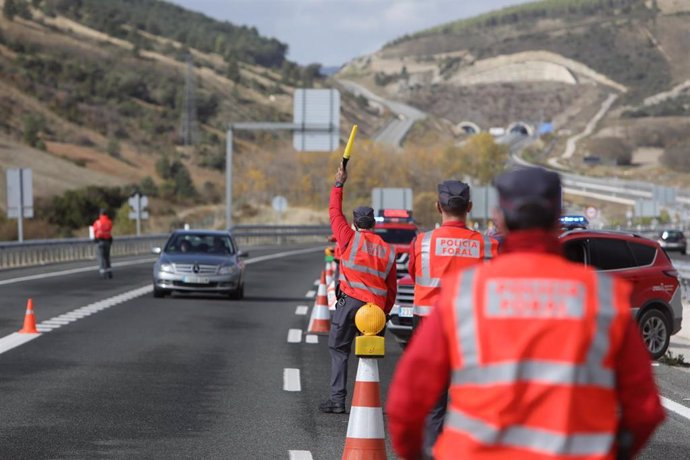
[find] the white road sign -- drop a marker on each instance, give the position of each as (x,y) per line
(19,193)
(318,110)
(279,203)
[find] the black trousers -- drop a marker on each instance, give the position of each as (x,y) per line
(340,337)
(104,257)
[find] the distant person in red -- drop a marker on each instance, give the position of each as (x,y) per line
(544,357)
(102,231)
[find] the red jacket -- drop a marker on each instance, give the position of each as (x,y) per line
(421,377)
(344,234)
(102,228)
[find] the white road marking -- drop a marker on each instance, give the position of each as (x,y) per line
(311,338)
(72,271)
(301,310)
(317,282)
(291,380)
(673,406)
(655,364)
(300,455)
(310,293)
(294,336)
(14,340)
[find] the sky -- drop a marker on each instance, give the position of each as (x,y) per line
(332,32)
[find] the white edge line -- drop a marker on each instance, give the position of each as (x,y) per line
(14,340)
(300,455)
(673,406)
(291,380)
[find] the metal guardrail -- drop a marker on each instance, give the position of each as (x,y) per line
(41,252)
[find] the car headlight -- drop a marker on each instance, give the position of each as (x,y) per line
(227,269)
(167,268)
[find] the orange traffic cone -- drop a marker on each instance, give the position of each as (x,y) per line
(320,320)
(365,435)
(330,272)
(29,319)
(330,295)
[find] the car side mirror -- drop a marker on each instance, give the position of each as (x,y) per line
(156,250)
(242,254)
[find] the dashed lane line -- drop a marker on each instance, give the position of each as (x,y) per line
(15,339)
(300,455)
(301,310)
(311,338)
(294,336)
(291,380)
(310,294)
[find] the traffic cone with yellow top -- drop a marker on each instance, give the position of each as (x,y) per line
(29,320)
(320,320)
(365,433)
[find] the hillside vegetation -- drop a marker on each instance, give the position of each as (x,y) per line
(100,86)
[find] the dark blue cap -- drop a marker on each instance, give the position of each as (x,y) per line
(364,216)
(453,193)
(533,187)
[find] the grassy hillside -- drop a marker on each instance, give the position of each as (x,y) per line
(99,87)
(616,38)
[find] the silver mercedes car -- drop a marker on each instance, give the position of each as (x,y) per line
(199,261)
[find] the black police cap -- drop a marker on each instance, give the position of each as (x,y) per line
(364,216)
(453,193)
(533,187)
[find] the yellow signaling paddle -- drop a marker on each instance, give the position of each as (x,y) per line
(348,147)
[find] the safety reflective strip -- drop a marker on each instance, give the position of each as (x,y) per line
(590,373)
(373,290)
(487,248)
(523,437)
(421,310)
(363,268)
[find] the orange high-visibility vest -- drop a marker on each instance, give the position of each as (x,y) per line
(532,341)
(364,267)
(102,228)
(443,251)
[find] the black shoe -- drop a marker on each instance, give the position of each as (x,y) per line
(110,275)
(330,407)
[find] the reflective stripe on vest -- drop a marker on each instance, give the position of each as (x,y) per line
(373,290)
(591,373)
(426,280)
(487,248)
(530,438)
(363,268)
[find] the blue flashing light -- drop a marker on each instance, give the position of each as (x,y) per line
(571,222)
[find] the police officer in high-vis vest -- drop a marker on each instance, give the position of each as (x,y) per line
(367,275)
(544,358)
(438,253)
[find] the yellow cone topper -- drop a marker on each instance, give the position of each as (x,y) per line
(348,147)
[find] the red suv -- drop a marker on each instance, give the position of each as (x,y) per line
(656,296)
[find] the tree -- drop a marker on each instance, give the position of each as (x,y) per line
(9,10)
(113,148)
(233,72)
(480,157)
(33,125)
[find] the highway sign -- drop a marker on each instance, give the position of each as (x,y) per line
(318,112)
(279,203)
(20,193)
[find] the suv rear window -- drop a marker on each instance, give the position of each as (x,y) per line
(610,254)
(644,254)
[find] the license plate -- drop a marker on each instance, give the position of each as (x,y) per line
(196,280)
(405,312)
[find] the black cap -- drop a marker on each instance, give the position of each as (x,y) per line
(101,211)
(533,188)
(453,193)
(364,217)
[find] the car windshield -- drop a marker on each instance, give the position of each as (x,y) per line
(396,235)
(200,243)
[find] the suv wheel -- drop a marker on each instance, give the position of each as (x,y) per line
(655,332)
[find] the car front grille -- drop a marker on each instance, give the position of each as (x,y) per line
(189,268)
(402,261)
(194,285)
(405,294)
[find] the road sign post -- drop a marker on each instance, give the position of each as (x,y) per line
(20,198)
(138,203)
(315,127)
